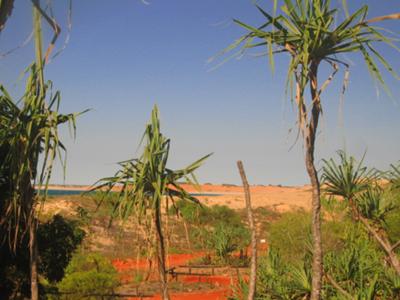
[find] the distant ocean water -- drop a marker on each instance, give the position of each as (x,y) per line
(55,192)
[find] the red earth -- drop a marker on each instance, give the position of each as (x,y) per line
(174,260)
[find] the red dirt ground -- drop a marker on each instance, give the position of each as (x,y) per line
(175,260)
(211,295)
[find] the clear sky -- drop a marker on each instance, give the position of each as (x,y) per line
(125,56)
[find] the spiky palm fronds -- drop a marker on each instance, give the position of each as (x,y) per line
(356,184)
(28,131)
(143,182)
(373,205)
(309,32)
(347,177)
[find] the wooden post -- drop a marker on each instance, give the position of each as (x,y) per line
(253,263)
(33,252)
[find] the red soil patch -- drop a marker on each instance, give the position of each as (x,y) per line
(173,260)
(216,280)
(211,295)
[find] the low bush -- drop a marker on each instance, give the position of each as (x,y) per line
(358,269)
(89,276)
(218,228)
(225,239)
(290,235)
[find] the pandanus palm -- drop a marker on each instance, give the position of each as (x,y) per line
(359,186)
(146,185)
(27,133)
(29,145)
(309,32)
(347,179)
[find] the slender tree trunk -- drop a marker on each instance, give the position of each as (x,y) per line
(315,228)
(310,136)
(384,243)
(381,240)
(161,256)
(33,251)
(338,287)
(253,264)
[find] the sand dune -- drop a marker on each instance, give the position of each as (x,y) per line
(280,198)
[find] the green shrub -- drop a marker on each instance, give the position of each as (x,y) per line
(228,233)
(225,239)
(89,274)
(217,228)
(196,214)
(276,279)
(191,212)
(57,240)
(358,268)
(291,235)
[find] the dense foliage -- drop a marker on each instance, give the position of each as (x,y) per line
(88,275)
(58,239)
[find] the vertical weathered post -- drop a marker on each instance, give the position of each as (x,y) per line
(253,263)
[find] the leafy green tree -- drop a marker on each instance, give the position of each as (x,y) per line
(309,32)
(146,185)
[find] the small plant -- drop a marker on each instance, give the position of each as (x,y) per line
(223,241)
(83,215)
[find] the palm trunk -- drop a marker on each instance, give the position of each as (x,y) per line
(385,244)
(315,228)
(33,259)
(253,264)
(310,136)
(161,256)
(381,240)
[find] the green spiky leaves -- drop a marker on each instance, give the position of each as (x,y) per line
(144,182)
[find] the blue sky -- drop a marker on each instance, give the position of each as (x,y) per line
(124,56)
